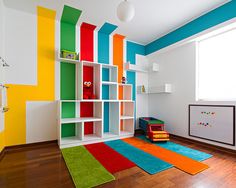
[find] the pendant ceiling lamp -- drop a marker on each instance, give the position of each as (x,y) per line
(125,11)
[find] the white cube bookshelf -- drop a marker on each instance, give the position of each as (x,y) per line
(100,87)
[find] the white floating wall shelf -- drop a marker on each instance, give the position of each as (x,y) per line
(155,67)
(165,88)
(137,68)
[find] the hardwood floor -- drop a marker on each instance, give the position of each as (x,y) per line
(43,166)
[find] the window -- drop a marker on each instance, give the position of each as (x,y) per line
(216,67)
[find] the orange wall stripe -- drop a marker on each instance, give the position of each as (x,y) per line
(118,45)
(179,161)
(18,95)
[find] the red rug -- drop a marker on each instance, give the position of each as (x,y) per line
(109,158)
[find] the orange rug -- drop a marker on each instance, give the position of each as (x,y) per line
(179,161)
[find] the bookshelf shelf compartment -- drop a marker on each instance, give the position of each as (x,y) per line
(125,92)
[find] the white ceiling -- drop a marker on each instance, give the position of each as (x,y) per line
(153,18)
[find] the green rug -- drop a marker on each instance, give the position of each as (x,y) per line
(85,170)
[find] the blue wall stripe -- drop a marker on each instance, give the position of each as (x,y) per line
(106,117)
(213,18)
(103,42)
(107,28)
(103,48)
(103,57)
(105,74)
(105,92)
(131,79)
(131,50)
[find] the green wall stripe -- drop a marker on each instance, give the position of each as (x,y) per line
(68,130)
(69,20)
(67,81)
(70,15)
(68,34)
(67,110)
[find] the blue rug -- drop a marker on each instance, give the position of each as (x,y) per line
(147,162)
(185,151)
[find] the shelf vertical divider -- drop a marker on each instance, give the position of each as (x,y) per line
(79,81)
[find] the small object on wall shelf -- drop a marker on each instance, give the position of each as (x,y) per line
(62,58)
(165,88)
(123,80)
(142,89)
(137,68)
(68,54)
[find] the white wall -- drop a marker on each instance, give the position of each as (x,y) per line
(41,121)
(21,47)
(177,66)
(141,79)
(2,9)
(2,69)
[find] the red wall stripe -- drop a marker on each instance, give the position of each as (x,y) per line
(86,54)
(86,41)
(86,108)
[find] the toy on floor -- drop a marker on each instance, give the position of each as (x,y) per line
(154,129)
(88,91)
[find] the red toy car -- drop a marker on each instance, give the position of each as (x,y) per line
(154,129)
(157,133)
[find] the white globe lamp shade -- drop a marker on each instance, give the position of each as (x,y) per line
(125,11)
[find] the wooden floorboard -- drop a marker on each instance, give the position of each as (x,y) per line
(44,167)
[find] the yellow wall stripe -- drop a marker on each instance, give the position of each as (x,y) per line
(18,95)
(2,140)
